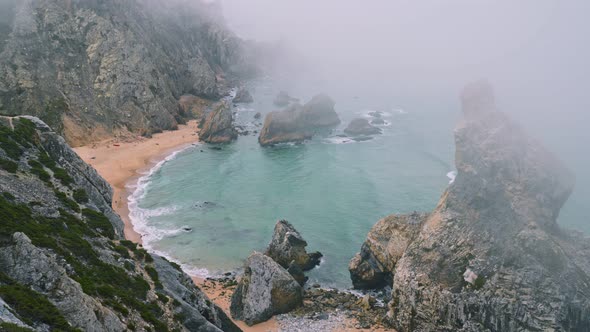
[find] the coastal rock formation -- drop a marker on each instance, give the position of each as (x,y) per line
(288,246)
(63,262)
(386,243)
(319,112)
(92,69)
(265,289)
(361,127)
(218,126)
(193,107)
(491,255)
(243,96)
(298,123)
(283,99)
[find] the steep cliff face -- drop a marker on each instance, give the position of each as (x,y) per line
(91,69)
(63,262)
(491,256)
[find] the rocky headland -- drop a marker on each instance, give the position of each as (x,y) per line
(96,69)
(297,122)
(491,256)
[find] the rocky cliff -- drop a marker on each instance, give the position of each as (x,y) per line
(491,256)
(63,262)
(91,69)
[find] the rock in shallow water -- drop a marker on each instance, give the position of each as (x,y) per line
(265,289)
(243,96)
(361,127)
(219,126)
(287,246)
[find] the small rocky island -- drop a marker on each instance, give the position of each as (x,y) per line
(298,123)
(361,126)
(218,125)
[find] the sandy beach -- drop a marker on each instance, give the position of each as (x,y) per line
(120,161)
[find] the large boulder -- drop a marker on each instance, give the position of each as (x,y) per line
(219,125)
(243,96)
(319,112)
(287,246)
(361,127)
(265,289)
(386,243)
(298,123)
(491,256)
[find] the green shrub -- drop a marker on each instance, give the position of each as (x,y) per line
(122,251)
(97,220)
(8,165)
(37,169)
(65,200)
(80,196)
(33,307)
(154,275)
(9,327)
(479,282)
(8,195)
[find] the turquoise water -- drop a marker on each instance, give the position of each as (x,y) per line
(209,209)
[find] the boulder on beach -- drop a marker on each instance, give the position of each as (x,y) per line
(287,246)
(218,127)
(298,123)
(361,126)
(266,289)
(243,96)
(283,99)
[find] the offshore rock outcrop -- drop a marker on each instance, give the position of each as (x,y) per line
(287,246)
(283,99)
(91,69)
(385,244)
(218,126)
(298,123)
(63,262)
(491,255)
(243,96)
(265,289)
(361,127)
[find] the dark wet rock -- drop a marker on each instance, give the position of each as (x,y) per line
(219,126)
(283,99)
(257,116)
(362,138)
(287,246)
(265,289)
(243,96)
(385,244)
(298,123)
(361,127)
(295,270)
(376,114)
(492,246)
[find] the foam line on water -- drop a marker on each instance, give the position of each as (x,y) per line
(140,217)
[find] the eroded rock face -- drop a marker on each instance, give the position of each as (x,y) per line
(61,241)
(91,69)
(385,244)
(361,127)
(491,255)
(288,246)
(243,96)
(298,123)
(265,289)
(219,125)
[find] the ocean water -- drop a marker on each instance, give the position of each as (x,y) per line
(208,209)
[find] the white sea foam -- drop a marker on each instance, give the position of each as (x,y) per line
(140,217)
(451,175)
(400,111)
(339,140)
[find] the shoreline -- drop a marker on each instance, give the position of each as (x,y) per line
(121,161)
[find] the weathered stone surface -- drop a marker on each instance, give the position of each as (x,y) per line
(91,69)
(193,106)
(361,127)
(385,244)
(288,246)
(265,289)
(298,123)
(219,125)
(243,96)
(491,255)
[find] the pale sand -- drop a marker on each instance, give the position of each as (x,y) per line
(123,164)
